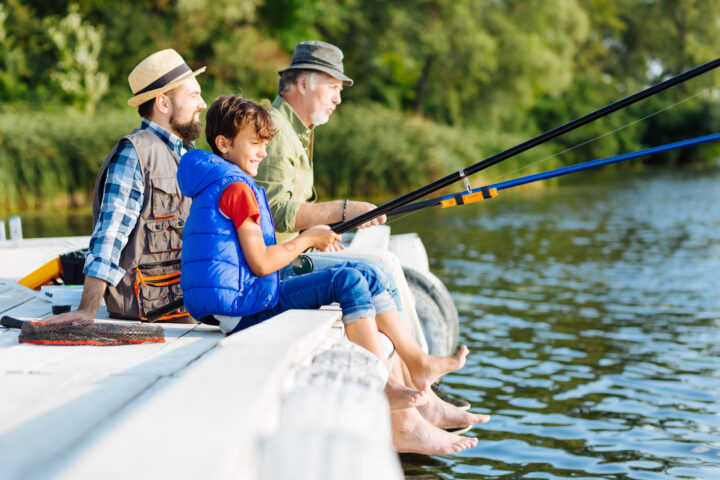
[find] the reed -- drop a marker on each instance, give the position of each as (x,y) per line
(52,158)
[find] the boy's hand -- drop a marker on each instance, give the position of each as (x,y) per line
(321,236)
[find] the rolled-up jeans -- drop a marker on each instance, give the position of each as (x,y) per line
(356,287)
(323,260)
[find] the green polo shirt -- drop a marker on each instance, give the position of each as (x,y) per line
(287,171)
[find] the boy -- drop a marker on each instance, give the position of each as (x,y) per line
(230,258)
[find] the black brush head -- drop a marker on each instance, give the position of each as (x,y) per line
(93,334)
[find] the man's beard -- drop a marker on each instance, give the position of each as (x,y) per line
(319,118)
(189,131)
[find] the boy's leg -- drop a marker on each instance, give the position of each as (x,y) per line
(424,369)
(391,278)
(345,286)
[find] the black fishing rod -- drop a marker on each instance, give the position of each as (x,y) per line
(490,191)
(522,147)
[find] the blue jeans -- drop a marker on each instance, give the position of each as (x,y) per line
(322,260)
(356,287)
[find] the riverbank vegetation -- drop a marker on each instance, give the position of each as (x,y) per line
(438,85)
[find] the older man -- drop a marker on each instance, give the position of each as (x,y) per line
(309,91)
(139,213)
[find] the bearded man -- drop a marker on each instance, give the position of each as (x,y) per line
(138,210)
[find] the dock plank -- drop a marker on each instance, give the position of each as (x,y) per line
(60,395)
(218,407)
(182,345)
(20,258)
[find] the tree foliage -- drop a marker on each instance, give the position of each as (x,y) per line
(478,73)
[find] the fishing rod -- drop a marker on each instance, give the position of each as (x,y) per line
(490,191)
(522,147)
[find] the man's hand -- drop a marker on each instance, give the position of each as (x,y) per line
(78,318)
(93,291)
(335,247)
(355,209)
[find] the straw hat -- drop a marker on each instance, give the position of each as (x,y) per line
(158,73)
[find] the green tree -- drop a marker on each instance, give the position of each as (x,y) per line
(78,46)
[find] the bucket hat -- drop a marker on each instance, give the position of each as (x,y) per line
(321,56)
(158,73)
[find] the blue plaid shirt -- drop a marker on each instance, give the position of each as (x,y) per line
(122,201)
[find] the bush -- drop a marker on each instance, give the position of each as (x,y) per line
(369,150)
(53,158)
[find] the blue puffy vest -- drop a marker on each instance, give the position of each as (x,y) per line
(215,277)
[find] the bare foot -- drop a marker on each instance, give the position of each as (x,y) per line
(443,415)
(412,433)
(401,396)
(431,368)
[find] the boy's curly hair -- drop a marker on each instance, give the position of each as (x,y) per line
(229,114)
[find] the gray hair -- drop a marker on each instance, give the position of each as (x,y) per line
(290,78)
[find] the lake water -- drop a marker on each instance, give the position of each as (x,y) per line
(592,312)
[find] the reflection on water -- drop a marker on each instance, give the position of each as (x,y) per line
(53,223)
(593,317)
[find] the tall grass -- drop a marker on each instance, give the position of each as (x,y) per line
(365,150)
(368,150)
(53,158)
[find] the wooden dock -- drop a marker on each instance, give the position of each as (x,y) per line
(287,399)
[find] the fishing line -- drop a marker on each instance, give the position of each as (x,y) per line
(525,167)
(524,146)
(405,213)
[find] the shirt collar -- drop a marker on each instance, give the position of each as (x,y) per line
(287,111)
(172,141)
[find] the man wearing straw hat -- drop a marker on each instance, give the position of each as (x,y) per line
(139,213)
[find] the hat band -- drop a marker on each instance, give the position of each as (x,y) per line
(165,79)
(317,61)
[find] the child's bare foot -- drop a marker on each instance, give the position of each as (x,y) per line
(412,433)
(400,396)
(443,415)
(431,368)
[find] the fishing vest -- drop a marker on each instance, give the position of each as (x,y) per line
(151,257)
(216,279)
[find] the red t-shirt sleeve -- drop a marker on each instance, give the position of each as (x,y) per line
(238,203)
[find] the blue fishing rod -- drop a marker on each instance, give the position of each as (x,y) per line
(471,195)
(522,147)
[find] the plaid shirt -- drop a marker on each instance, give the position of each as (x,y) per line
(122,202)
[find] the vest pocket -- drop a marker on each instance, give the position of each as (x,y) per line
(165,234)
(154,289)
(165,198)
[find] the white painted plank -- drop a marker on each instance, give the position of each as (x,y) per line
(215,410)
(49,421)
(11,298)
(31,309)
(183,344)
(20,258)
(325,456)
(410,251)
(373,237)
